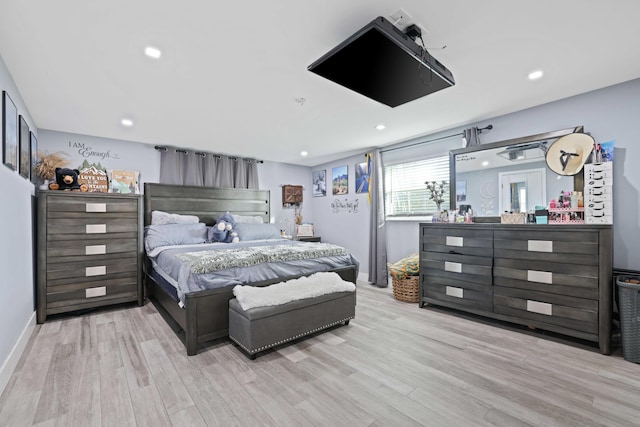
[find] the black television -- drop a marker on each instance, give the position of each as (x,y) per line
(384,64)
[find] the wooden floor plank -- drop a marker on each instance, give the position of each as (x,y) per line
(394,364)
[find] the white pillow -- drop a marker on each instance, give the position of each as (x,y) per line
(162,218)
(246,219)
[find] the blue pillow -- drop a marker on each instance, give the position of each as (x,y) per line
(174,234)
(257,231)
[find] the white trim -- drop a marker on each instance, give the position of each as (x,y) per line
(362,277)
(10,364)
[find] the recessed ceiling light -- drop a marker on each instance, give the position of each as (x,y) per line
(535,75)
(485,163)
(304,153)
(152,52)
(381,127)
(127,122)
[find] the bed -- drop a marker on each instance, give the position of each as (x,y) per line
(199,316)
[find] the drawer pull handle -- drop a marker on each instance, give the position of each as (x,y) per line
(95,250)
(540,307)
(540,245)
(95,292)
(96,207)
(540,276)
(95,228)
(454,267)
(455,241)
(455,292)
(455,253)
(100,270)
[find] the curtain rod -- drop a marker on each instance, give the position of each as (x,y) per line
(202,153)
(489,127)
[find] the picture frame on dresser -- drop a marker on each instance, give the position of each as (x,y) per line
(24,150)
(9,132)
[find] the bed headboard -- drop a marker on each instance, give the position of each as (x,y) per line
(208,203)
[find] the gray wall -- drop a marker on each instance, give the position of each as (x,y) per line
(607,114)
(16,261)
(338,225)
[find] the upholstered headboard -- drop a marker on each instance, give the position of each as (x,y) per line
(207,203)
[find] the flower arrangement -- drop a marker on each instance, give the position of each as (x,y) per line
(436,190)
(47,164)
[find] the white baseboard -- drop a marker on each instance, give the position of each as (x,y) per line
(362,277)
(14,357)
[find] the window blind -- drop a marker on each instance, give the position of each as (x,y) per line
(405,191)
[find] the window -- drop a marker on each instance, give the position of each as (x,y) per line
(405,192)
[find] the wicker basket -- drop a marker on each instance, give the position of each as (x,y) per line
(406,289)
(629,306)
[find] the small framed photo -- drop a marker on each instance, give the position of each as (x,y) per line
(9,132)
(123,182)
(340,180)
(319,180)
(33,142)
(25,149)
(362,178)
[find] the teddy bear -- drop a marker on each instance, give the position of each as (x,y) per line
(67,180)
(222,231)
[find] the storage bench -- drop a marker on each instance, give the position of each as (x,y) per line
(260,328)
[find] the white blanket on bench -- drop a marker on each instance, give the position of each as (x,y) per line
(296,289)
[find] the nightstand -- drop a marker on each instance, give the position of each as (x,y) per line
(309,239)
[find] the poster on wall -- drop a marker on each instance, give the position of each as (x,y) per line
(9,132)
(33,142)
(123,182)
(362,178)
(340,180)
(24,150)
(319,179)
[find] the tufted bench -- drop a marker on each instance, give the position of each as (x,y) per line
(260,328)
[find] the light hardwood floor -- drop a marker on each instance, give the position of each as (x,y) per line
(394,365)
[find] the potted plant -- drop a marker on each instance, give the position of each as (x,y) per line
(47,164)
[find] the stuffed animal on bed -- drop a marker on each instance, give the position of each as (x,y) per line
(222,231)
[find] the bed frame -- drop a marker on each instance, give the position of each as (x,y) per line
(205,313)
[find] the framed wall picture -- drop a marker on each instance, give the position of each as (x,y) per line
(123,182)
(340,180)
(362,178)
(9,132)
(24,149)
(319,179)
(33,142)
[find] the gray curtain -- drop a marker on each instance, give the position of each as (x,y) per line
(172,166)
(181,167)
(240,173)
(224,173)
(193,173)
(252,175)
(377,228)
(471,136)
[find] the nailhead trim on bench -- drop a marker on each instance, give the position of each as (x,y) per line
(291,338)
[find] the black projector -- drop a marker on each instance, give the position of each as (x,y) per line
(384,64)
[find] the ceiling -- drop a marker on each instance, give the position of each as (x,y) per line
(231,73)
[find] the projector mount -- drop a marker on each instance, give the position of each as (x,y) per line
(413,32)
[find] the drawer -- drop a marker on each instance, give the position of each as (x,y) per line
(599,198)
(457,294)
(96,295)
(90,248)
(463,240)
(559,310)
(471,268)
(598,167)
(545,273)
(92,225)
(577,247)
(99,267)
(605,219)
(59,206)
(598,191)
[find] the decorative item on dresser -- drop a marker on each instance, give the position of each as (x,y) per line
(548,277)
(89,251)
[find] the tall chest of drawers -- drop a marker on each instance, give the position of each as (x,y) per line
(89,251)
(552,277)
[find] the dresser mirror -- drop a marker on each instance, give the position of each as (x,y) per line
(507,176)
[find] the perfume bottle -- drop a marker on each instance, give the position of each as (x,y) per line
(580,200)
(574,200)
